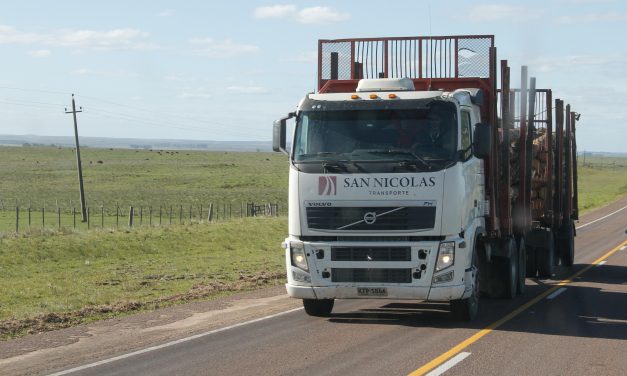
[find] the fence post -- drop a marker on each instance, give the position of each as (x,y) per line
(209,212)
(190,213)
(88,218)
(130,217)
(29,215)
(102,216)
(141,215)
(17,218)
(43,217)
(180,214)
(150,215)
(59,217)
(117,215)
(159,215)
(200,215)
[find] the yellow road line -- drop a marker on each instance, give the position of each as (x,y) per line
(477,336)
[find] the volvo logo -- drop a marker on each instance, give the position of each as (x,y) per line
(370,218)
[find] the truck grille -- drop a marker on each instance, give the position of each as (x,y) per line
(385,218)
(371,275)
(370,254)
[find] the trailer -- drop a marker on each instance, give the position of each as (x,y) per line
(415,175)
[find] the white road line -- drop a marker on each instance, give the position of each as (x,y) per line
(172,343)
(449,364)
(596,220)
(556,293)
(601,263)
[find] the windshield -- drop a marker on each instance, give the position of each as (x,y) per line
(426,135)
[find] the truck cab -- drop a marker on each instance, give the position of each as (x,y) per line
(386,194)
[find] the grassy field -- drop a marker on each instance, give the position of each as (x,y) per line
(49,281)
(51,277)
(601,180)
(46,177)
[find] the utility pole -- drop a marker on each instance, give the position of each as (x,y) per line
(78,159)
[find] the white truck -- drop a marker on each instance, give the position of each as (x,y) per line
(405,183)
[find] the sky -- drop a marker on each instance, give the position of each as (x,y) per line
(222,70)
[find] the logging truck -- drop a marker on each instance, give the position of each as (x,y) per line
(415,175)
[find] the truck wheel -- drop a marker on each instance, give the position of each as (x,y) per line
(318,307)
(545,255)
(466,309)
(522,266)
(566,242)
(507,268)
(531,265)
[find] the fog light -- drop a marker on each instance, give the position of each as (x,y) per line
(446,277)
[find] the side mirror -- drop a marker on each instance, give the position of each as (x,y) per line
(481,141)
(278,134)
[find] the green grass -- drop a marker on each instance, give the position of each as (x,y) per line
(46,177)
(601,181)
(41,274)
(86,275)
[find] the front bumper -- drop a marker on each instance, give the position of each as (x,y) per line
(439,293)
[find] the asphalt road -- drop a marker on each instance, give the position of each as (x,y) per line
(558,327)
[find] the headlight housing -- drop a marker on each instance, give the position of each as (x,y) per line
(298,257)
(446,256)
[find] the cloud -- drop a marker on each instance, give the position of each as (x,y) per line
(275,11)
(593,18)
(303,57)
(187,95)
(91,72)
(248,89)
(40,53)
(501,12)
(116,39)
(10,35)
(317,15)
(312,15)
(125,39)
(221,49)
(166,13)
(575,62)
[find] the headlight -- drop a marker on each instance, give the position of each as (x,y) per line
(299,259)
(446,256)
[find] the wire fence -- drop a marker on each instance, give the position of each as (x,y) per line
(16,218)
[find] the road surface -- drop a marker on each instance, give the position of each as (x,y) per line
(558,327)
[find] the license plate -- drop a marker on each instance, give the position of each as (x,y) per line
(372,291)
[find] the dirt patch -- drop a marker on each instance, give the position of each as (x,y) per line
(57,320)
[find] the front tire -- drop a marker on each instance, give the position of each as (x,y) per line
(318,307)
(467,309)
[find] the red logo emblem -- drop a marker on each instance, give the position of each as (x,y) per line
(327,185)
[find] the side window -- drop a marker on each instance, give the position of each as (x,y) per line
(466,142)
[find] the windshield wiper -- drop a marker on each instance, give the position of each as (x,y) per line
(404,162)
(337,165)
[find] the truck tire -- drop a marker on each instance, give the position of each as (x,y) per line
(507,269)
(522,266)
(545,256)
(318,307)
(531,265)
(566,244)
(467,309)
